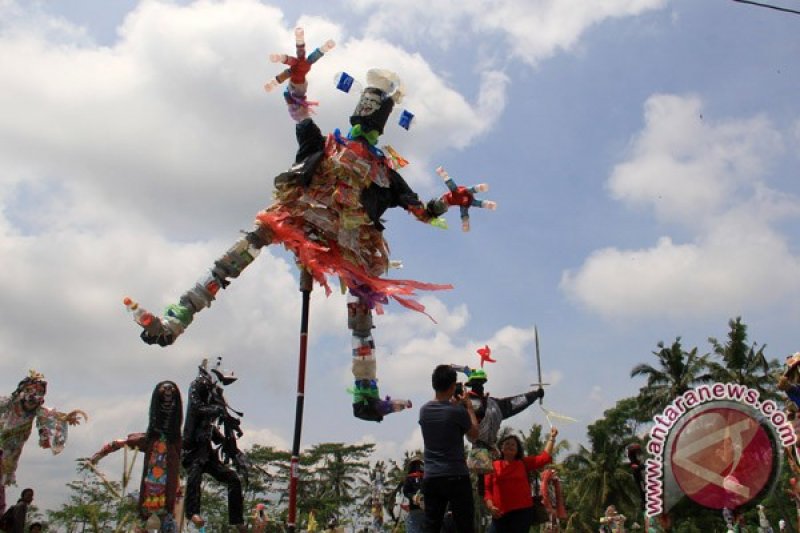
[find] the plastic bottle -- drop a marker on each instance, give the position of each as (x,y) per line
(395,406)
(321,51)
(142,317)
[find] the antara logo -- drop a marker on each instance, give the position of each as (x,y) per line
(716,445)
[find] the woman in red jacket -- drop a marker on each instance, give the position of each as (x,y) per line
(508,490)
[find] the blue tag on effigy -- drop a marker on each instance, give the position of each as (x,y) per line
(405,118)
(344,82)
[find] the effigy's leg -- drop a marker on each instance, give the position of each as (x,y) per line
(194,477)
(367,403)
(230,478)
(177,317)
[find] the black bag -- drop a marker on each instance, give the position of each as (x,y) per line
(540,515)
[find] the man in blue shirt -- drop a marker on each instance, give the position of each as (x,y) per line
(444,422)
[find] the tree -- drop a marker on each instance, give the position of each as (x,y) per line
(677,372)
(599,476)
(534,440)
(740,363)
(395,477)
(269,480)
(94,506)
(337,478)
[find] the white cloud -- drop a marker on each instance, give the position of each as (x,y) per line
(263,437)
(796,136)
(709,177)
(686,168)
(532,31)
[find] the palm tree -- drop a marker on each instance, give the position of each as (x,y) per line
(743,364)
(395,477)
(677,372)
(340,472)
(599,476)
(534,442)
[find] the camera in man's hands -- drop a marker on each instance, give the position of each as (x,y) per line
(459,390)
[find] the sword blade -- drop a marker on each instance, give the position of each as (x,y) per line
(538,358)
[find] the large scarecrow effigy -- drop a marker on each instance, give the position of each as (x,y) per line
(327,211)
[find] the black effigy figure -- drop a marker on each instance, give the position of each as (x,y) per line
(209,444)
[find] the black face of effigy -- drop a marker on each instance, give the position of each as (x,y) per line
(372,110)
(166,411)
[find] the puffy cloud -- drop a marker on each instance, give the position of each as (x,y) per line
(532,31)
(687,169)
(710,178)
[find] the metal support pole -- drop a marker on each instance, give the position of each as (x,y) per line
(306,284)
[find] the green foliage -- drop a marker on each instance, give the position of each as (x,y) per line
(677,371)
(740,363)
(338,481)
(93,506)
(599,476)
(332,477)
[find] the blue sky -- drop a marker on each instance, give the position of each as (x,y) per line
(643,154)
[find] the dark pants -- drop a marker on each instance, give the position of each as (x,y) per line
(223,474)
(456,491)
(518,521)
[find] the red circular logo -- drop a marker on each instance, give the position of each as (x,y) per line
(722,457)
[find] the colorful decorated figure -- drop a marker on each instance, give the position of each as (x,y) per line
(327,211)
(161,446)
(17,414)
(210,421)
(789,382)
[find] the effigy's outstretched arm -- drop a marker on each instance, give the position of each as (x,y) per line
(53,427)
(513,405)
(177,317)
(136,441)
(367,403)
(405,197)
